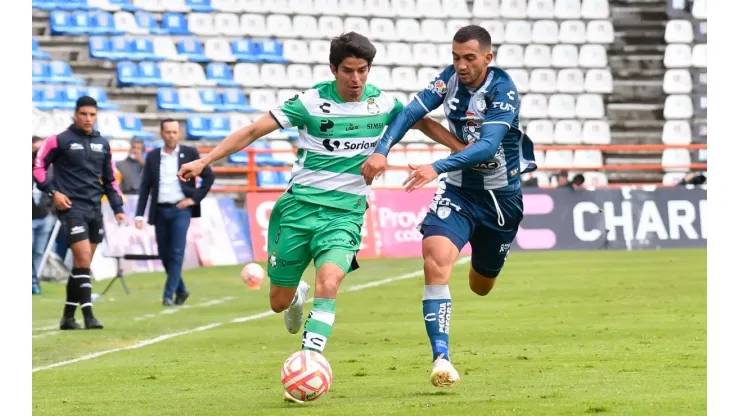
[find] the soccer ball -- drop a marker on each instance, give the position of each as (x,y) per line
(253,274)
(306,375)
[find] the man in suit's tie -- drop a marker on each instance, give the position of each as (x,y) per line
(173,203)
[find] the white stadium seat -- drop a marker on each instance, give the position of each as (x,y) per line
(590,106)
(678,107)
(541,131)
(383,29)
(562,106)
(202,24)
(273,75)
(676,132)
(237,121)
(227,24)
(568,132)
(593,56)
(588,159)
(496,29)
(404,8)
(190,98)
(356,24)
(510,56)
(247,74)
(425,75)
(533,106)
(252,6)
(594,179)
(327,7)
(323,73)
(126,22)
(171,72)
(453,26)
(429,8)
(219,50)
(280,25)
(679,31)
(353,7)
(513,9)
(398,53)
(404,78)
(677,81)
(545,31)
(380,8)
(699,9)
(263,100)
(599,81)
(677,56)
(676,160)
(673,178)
(226,6)
(433,30)
(306,27)
(296,51)
(541,9)
(380,76)
(253,25)
(570,81)
(537,56)
(568,9)
(572,31)
(330,26)
(165,47)
(300,76)
(558,159)
(193,74)
(596,132)
(564,56)
(518,32)
(600,31)
(595,9)
(521,79)
(487,8)
(543,81)
(319,51)
(381,54)
(409,30)
(456,8)
(699,56)
(150,5)
(285,157)
(110,125)
(444,54)
(425,54)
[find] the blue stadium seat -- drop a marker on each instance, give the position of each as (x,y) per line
(120,48)
(60,4)
(274,179)
(149,71)
(99,94)
(240,158)
(235,100)
(197,127)
(202,6)
(263,159)
(125,5)
(60,72)
(101,23)
(64,23)
(211,98)
(36,52)
(169,100)
(142,49)
(132,124)
(271,51)
(40,72)
(244,50)
(69,96)
(145,74)
(146,20)
(175,24)
(127,73)
(99,47)
(192,49)
(220,127)
(48,97)
(290,133)
(221,73)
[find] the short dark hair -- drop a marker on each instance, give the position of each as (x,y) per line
(85,101)
(136,141)
(473,32)
(351,44)
(579,179)
(167,120)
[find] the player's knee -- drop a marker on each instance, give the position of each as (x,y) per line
(482,283)
(328,279)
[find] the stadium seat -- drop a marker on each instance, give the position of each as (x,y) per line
(101,97)
(487,8)
(143,49)
(405,9)
(383,29)
(219,49)
(679,31)
(433,30)
(102,23)
(264,159)
(296,51)
(398,53)
(172,73)
(305,27)
(570,81)
(47,97)
(203,6)
(676,132)
(145,74)
(600,31)
(319,51)
(510,56)
(572,31)
(247,74)
(513,9)
(330,26)
(564,56)
(678,107)
(562,106)
(132,127)
(677,56)
(202,24)
(109,126)
(238,120)
(521,79)
(537,56)
(454,25)
(596,132)
(226,6)
(380,76)
(403,78)
(219,127)
(567,9)
(518,32)
(545,32)
(541,9)
(300,76)
(151,5)
(425,54)
(71,93)
(175,24)
(164,47)
(444,53)
(456,8)
(39,72)
(270,51)
(543,81)
(429,8)
(424,76)
(673,178)
(353,8)
(590,106)
(64,23)
(244,50)
(263,100)
(273,179)
(273,75)
(676,160)
(127,23)
(541,131)
(192,49)
(595,9)
(168,99)
(197,127)
(281,25)
(254,25)
(533,106)
(588,159)
(356,24)
(599,81)
(699,56)
(699,9)
(595,179)
(62,119)
(409,30)
(560,159)
(36,52)
(254,6)
(211,98)
(677,81)
(220,74)
(496,28)
(568,132)
(43,124)
(282,146)
(194,75)
(235,100)
(593,56)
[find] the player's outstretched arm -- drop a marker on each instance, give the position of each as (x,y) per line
(435,131)
(234,142)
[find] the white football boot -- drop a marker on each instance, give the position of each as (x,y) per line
(294,314)
(443,373)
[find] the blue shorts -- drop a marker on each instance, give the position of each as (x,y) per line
(465,215)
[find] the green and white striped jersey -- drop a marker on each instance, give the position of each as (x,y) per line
(335,138)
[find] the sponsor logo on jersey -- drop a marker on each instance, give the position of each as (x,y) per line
(332,145)
(352,127)
(503,106)
(374,126)
(76,146)
(470,131)
(504,248)
(326,125)
(372,106)
(96,147)
(511,95)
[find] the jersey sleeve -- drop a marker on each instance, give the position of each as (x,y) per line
(433,95)
(397,108)
(503,105)
(291,113)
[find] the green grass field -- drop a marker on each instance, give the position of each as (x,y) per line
(561,334)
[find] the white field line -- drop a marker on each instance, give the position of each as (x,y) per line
(260,315)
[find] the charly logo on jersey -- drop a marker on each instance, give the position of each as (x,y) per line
(372,106)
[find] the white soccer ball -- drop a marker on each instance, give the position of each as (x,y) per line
(306,375)
(253,274)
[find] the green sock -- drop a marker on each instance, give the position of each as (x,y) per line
(318,325)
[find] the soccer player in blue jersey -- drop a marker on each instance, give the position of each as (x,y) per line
(480,201)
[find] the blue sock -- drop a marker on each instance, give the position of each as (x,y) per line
(437,308)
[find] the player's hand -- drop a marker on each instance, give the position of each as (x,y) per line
(61,202)
(191,170)
(139,223)
(373,167)
(187,202)
(121,219)
(420,175)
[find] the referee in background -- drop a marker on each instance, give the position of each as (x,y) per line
(83,172)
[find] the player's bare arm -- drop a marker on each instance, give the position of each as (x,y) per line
(234,142)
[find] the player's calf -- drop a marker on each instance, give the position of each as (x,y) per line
(281,297)
(321,318)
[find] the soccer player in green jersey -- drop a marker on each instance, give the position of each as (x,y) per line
(320,216)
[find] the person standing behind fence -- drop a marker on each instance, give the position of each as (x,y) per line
(83,172)
(130,168)
(173,204)
(42,222)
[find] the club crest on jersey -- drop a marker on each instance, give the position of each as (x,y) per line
(372,106)
(443,212)
(470,131)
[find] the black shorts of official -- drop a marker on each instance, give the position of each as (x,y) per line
(82,224)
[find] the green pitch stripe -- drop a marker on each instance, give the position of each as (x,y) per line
(336,164)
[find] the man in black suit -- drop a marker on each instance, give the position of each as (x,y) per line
(173,204)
